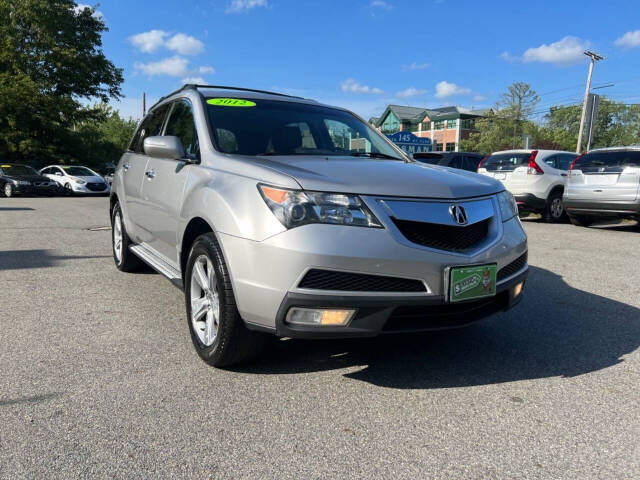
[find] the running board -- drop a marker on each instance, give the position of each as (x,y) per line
(158,264)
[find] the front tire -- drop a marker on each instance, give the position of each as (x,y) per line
(8,190)
(217,330)
(554,211)
(68,191)
(125,259)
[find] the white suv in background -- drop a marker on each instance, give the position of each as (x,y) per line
(536,178)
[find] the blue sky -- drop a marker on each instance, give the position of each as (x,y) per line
(365,54)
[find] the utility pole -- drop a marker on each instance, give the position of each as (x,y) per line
(594,58)
(144,104)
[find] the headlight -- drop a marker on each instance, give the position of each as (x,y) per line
(508,205)
(296,207)
(22,182)
(79,181)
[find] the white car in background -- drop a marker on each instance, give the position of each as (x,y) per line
(76,179)
(536,178)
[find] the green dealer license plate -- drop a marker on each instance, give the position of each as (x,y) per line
(467,283)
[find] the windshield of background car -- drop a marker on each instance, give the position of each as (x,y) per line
(9,170)
(269,127)
(608,162)
(506,162)
(78,172)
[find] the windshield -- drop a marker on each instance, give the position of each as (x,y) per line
(78,172)
(18,170)
(268,127)
(506,162)
(607,162)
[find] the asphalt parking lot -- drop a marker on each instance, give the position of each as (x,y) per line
(98,377)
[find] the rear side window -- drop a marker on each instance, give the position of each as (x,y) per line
(150,126)
(182,125)
(456,162)
(471,162)
(564,161)
(607,162)
(428,158)
(506,162)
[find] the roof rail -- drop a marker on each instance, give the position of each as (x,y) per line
(194,86)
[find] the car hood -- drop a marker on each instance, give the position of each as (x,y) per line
(28,178)
(382,177)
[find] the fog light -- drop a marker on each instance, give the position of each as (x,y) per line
(517,290)
(319,316)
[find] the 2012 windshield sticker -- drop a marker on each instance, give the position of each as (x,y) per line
(231,102)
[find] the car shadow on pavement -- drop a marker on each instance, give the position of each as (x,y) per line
(24,259)
(556,331)
(15,209)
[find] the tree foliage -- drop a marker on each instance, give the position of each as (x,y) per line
(51,65)
(616,124)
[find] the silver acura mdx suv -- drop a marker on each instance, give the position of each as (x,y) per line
(280,215)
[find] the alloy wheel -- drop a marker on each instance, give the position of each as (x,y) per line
(556,208)
(8,190)
(205,301)
(117,237)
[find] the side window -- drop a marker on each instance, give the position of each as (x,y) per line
(564,161)
(456,162)
(149,127)
(45,171)
(552,161)
(57,171)
(471,163)
(182,125)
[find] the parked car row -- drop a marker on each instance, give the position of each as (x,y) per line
(16,179)
(600,184)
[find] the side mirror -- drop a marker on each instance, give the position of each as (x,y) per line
(58,174)
(164,147)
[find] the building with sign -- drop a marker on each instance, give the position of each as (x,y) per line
(445,127)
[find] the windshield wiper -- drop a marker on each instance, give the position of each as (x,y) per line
(374,155)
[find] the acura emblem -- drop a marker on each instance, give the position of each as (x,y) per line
(459,214)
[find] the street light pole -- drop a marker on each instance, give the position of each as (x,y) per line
(594,58)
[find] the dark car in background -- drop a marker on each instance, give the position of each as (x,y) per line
(18,179)
(463,160)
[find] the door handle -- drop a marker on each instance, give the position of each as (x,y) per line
(126,166)
(150,173)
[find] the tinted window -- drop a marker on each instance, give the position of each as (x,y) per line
(552,161)
(471,162)
(182,125)
(429,158)
(564,161)
(150,126)
(268,127)
(46,171)
(506,162)
(608,162)
(456,161)
(18,170)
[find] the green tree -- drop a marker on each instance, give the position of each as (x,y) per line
(516,106)
(51,59)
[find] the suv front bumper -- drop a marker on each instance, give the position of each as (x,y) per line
(377,315)
(266,275)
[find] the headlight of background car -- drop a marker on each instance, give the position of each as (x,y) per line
(508,205)
(22,182)
(295,208)
(79,181)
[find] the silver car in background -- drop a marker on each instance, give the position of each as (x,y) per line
(604,184)
(280,215)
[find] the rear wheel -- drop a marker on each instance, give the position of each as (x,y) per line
(124,258)
(554,211)
(217,330)
(580,220)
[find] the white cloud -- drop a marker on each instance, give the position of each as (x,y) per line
(205,69)
(629,40)
(148,42)
(410,92)
(506,56)
(479,98)
(567,51)
(238,6)
(81,6)
(172,67)
(185,44)
(445,89)
(196,80)
(380,4)
(416,66)
(350,85)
